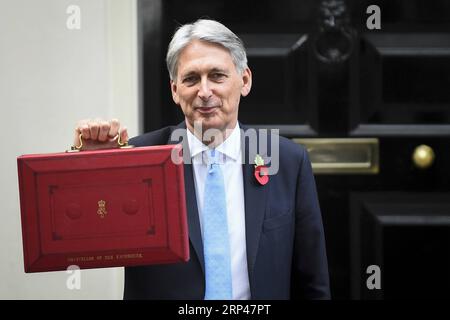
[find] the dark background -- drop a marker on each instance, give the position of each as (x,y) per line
(313,79)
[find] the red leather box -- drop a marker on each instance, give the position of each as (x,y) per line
(108,208)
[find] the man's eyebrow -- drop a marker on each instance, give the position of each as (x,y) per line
(194,73)
(188,74)
(219,70)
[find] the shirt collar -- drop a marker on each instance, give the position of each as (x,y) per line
(195,145)
(231,147)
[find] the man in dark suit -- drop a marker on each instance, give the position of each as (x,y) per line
(273,245)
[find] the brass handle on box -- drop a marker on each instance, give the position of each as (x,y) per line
(120,144)
(423,156)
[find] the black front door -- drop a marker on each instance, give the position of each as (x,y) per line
(371,105)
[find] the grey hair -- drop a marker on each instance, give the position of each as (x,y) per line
(209,31)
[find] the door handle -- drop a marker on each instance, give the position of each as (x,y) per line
(423,156)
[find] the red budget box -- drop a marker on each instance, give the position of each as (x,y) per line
(107,208)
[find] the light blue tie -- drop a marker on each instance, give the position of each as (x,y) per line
(216,244)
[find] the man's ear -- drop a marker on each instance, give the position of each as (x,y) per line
(173,87)
(247,82)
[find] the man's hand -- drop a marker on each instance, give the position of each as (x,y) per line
(99,134)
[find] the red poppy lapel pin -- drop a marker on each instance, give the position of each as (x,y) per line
(261,171)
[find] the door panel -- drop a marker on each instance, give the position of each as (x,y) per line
(402,78)
(408,236)
(279,90)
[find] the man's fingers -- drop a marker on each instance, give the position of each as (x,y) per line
(104,127)
(99,134)
(93,130)
(82,129)
(114,128)
(85,132)
(124,135)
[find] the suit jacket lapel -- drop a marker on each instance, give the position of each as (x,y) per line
(191,199)
(255,206)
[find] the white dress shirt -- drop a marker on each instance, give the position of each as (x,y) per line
(230,153)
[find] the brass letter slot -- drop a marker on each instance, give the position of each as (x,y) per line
(342,155)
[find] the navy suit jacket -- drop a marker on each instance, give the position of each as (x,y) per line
(286,254)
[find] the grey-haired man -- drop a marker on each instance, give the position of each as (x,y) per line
(275,241)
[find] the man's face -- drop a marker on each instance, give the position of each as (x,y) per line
(208,87)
